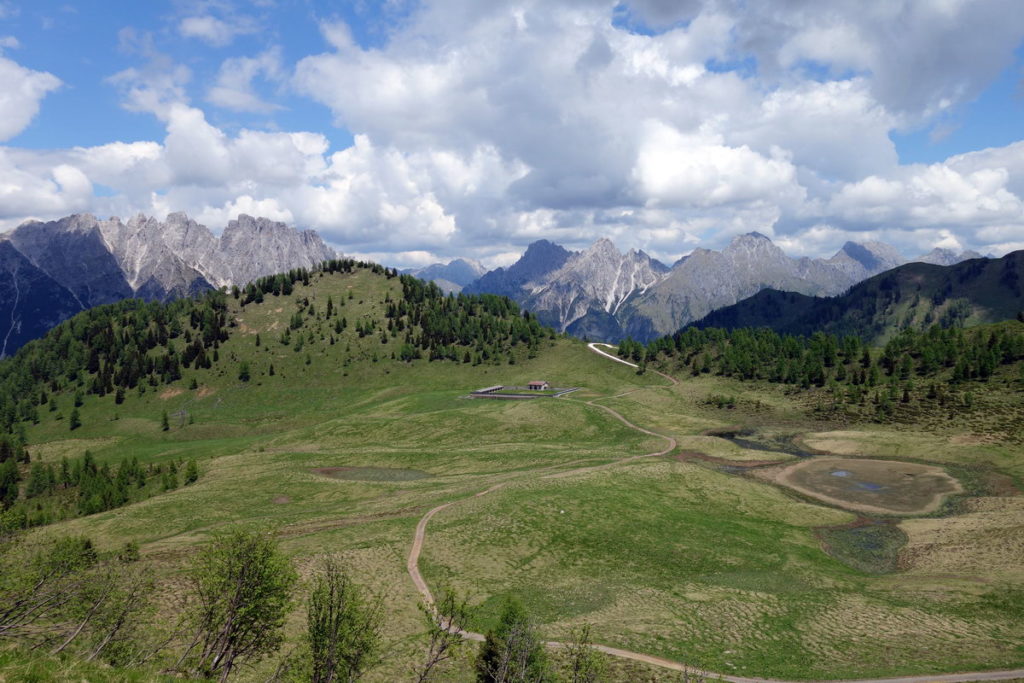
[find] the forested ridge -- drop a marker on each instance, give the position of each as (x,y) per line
(943,366)
(913,296)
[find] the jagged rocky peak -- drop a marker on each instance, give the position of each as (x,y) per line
(545,250)
(604,247)
(540,259)
(604,250)
(603,293)
(92,262)
(601,278)
(750,238)
(756,249)
(253,247)
(245,225)
(74,252)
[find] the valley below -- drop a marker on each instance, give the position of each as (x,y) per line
(622,505)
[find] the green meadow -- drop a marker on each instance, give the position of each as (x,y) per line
(674,555)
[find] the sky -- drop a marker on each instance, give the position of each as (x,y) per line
(416,131)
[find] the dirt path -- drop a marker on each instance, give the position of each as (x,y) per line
(428,597)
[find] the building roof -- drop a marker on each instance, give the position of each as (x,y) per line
(537,381)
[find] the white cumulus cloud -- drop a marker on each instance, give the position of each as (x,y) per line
(21,91)
(480,126)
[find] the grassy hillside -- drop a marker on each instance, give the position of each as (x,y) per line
(338,447)
(912,296)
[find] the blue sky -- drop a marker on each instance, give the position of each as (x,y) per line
(417,131)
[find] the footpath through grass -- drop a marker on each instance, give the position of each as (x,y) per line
(672,558)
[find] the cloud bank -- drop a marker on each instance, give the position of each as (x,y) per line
(478,127)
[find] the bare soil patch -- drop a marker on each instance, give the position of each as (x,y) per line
(371,473)
(683,456)
(281,500)
(205,391)
(170,393)
(873,486)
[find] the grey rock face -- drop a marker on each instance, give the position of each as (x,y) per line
(73,252)
(603,294)
(253,247)
(97,262)
(708,280)
(173,259)
(595,283)
(155,270)
(856,259)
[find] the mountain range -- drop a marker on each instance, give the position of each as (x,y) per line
(51,270)
(601,293)
(914,295)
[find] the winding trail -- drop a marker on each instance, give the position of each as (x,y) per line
(412,565)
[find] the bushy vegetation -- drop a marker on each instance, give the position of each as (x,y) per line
(64,597)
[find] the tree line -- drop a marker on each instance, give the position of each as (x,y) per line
(35,494)
(461,327)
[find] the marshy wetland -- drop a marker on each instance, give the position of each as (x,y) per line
(885,487)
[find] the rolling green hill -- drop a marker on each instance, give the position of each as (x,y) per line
(329,408)
(912,296)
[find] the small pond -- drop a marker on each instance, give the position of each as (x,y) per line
(876,486)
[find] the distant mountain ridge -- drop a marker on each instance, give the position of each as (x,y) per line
(601,293)
(51,270)
(948,257)
(451,276)
(914,295)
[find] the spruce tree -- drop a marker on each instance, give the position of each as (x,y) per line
(9,478)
